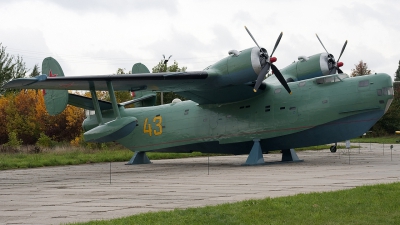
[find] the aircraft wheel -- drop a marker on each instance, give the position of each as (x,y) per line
(333,148)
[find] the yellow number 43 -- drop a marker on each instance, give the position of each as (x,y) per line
(147,126)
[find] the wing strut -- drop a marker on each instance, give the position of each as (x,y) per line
(96,106)
(113,100)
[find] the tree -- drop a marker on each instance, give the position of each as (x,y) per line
(10,68)
(121,96)
(361,69)
(397,74)
(163,67)
(35,71)
(390,122)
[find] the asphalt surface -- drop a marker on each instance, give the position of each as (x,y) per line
(55,195)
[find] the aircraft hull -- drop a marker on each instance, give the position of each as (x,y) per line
(315,114)
(338,130)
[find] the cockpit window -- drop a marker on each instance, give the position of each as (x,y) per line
(301,84)
(363,83)
(328,79)
(387,91)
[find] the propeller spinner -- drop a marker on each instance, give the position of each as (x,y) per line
(269,65)
(331,60)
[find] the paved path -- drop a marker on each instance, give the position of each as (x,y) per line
(56,195)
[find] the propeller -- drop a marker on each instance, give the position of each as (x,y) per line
(166,60)
(331,60)
(268,64)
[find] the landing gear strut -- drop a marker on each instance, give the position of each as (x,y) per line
(333,148)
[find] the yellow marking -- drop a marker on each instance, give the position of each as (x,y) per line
(157,120)
(147,127)
(158,124)
(254,90)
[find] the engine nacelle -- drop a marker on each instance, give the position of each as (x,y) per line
(309,67)
(238,68)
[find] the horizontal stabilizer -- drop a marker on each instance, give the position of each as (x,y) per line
(87,103)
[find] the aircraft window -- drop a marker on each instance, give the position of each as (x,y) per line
(381,101)
(390,91)
(89,113)
(320,80)
(267,110)
(247,106)
(379,92)
(363,83)
(384,91)
(186,111)
(301,84)
(282,108)
(241,107)
(329,79)
(292,108)
(278,90)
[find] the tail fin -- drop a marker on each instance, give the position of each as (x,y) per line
(149,98)
(55,100)
(139,68)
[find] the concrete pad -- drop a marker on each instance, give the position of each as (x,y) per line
(65,194)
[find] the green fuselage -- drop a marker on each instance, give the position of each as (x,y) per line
(337,108)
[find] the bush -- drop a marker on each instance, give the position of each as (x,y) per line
(13,141)
(45,141)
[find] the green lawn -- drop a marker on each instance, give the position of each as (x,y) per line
(381,140)
(378,204)
(74,156)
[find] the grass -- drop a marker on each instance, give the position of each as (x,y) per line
(75,156)
(68,155)
(381,140)
(377,204)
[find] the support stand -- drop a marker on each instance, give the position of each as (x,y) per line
(255,157)
(139,158)
(289,155)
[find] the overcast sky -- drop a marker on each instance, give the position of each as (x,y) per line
(100,36)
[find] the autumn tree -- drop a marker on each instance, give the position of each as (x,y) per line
(163,67)
(25,115)
(361,69)
(10,68)
(21,116)
(397,74)
(62,127)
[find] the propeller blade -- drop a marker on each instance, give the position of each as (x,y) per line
(252,37)
(321,43)
(280,78)
(277,43)
(344,46)
(261,76)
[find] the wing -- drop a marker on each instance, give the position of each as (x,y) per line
(215,85)
(126,82)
